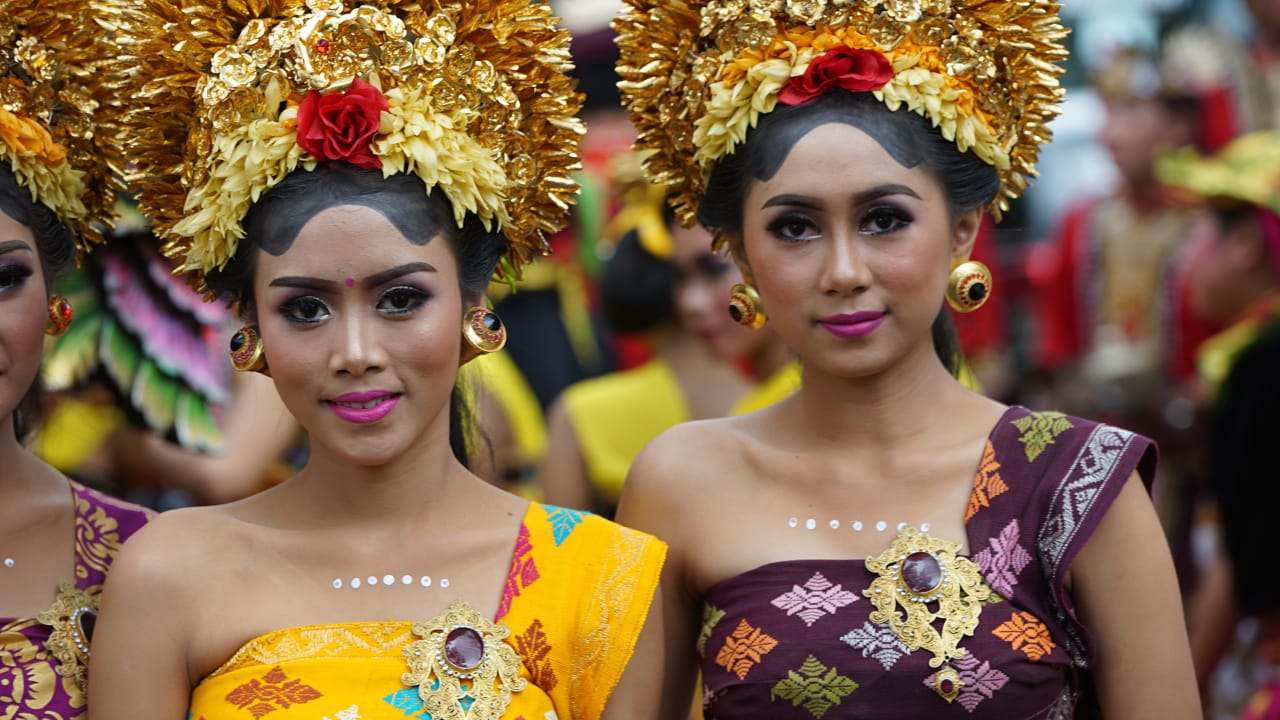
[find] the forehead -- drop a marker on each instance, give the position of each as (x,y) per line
(838,158)
(351,241)
(11,229)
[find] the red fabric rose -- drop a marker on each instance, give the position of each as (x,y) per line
(854,70)
(341,125)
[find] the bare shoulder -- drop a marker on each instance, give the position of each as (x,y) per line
(160,556)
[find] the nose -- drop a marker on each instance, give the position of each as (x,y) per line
(845,270)
(358,348)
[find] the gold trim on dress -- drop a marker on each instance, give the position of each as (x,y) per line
(69,640)
(444,658)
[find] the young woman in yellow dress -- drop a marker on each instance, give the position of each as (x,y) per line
(885,543)
(350,174)
(58,539)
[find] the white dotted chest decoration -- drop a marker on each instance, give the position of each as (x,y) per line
(9,563)
(388,580)
(855,525)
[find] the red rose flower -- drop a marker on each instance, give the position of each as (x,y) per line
(341,125)
(854,70)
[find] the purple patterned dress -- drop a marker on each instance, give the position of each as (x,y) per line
(43,660)
(799,640)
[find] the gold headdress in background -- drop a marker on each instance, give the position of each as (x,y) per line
(233,95)
(50,94)
(697,75)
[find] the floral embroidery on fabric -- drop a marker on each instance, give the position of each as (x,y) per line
(1026,633)
(744,648)
(533,648)
(877,641)
(563,521)
(816,687)
(986,483)
(1039,429)
(410,702)
(711,616)
(818,597)
(97,538)
(978,681)
(25,682)
(1003,559)
(351,713)
(523,572)
(274,692)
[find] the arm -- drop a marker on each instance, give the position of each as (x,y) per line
(1124,587)
(138,665)
(647,505)
(632,697)
(563,475)
(257,431)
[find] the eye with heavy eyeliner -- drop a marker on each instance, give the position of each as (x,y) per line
(402,300)
(13,276)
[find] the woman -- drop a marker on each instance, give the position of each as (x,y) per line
(58,539)
(383,579)
(659,285)
(836,553)
(1233,274)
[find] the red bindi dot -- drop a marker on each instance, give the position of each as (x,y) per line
(351,282)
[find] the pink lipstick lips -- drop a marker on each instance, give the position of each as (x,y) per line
(851,326)
(363,407)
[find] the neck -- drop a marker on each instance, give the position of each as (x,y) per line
(770,357)
(880,411)
(22,474)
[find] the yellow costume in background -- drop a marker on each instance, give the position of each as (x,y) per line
(574,603)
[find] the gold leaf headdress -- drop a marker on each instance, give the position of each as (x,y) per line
(472,97)
(697,75)
(50,98)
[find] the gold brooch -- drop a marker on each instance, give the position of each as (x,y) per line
(72,617)
(462,668)
(928,580)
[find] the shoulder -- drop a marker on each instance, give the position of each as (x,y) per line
(162,553)
(687,451)
(1049,443)
(578,534)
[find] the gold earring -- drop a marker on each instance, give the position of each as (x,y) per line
(483,330)
(745,306)
(968,286)
(246,350)
(60,314)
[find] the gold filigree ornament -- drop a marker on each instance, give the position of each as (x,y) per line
(52,98)
(462,667)
(696,76)
(921,580)
(71,616)
(474,98)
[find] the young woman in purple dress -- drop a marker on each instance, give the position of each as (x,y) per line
(886,543)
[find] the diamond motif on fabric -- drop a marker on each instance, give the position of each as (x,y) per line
(274,691)
(1003,559)
(523,572)
(533,648)
(711,616)
(744,648)
(1039,430)
(877,641)
(986,483)
(815,687)
(563,521)
(978,680)
(1023,631)
(816,598)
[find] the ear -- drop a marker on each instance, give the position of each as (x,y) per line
(964,233)
(467,352)
(732,243)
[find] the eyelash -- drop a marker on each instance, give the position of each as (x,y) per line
(13,277)
(415,297)
(776,227)
(899,217)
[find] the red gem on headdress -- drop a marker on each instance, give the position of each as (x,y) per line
(322,45)
(64,309)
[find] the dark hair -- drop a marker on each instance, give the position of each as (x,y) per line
(273,223)
(637,289)
(56,247)
(968,182)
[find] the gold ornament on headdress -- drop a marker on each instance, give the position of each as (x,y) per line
(697,75)
(473,98)
(52,95)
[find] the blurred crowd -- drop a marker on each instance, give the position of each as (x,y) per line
(1104,305)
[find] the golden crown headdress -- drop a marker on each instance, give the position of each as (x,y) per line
(472,97)
(51,95)
(695,76)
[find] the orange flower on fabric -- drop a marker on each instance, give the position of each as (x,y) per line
(856,70)
(341,125)
(1023,631)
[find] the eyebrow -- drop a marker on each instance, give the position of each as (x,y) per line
(861,198)
(9,246)
(373,280)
